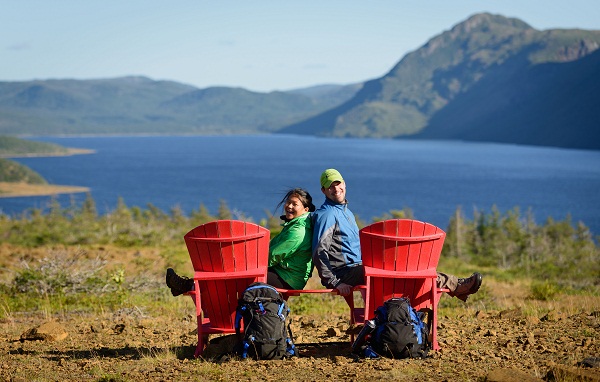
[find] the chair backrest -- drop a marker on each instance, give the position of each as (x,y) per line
(402,245)
(226,247)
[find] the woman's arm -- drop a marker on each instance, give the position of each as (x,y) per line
(286,243)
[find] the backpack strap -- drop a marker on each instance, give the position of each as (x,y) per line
(238,319)
(280,311)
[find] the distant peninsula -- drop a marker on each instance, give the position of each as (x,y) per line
(17,180)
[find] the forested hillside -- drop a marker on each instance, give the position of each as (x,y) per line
(488,78)
(12,147)
(12,172)
(139,105)
(554,104)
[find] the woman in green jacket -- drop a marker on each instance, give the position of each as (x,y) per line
(290,259)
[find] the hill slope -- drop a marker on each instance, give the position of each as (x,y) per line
(548,104)
(13,172)
(12,147)
(449,66)
(489,78)
(134,105)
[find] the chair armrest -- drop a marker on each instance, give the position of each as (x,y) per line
(298,292)
(258,272)
(424,274)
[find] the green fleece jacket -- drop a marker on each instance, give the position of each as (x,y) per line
(290,252)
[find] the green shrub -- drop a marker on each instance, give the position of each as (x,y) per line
(507,245)
(544,291)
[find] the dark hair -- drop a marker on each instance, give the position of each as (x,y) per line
(302,194)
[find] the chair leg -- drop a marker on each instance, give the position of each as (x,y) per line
(202,342)
(436,299)
(202,339)
(350,301)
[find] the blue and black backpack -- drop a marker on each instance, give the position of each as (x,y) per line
(267,333)
(397,331)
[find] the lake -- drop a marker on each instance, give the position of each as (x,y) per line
(251,173)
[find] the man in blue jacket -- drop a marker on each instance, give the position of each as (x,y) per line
(336,245)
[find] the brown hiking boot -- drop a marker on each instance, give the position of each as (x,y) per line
(467,286)
(178,284)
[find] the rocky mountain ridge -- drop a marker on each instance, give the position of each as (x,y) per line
(488,78)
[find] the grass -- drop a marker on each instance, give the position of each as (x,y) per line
(75,279)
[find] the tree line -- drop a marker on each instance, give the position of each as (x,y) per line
(509,244)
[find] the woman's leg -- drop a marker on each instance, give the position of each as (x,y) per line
(275,280)
(178,284)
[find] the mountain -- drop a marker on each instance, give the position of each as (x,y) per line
(488,78)
(464,78)
(554,104)
(141,105)
(222,109)
(329,94)
(83,107)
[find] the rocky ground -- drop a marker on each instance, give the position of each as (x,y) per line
(132,345)
(516,340)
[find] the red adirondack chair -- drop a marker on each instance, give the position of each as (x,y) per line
(400,258)
(227,256)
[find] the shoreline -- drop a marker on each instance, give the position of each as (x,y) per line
(16,190)
(70,152)
(22,189)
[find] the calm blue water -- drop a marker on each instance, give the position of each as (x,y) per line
(251,173)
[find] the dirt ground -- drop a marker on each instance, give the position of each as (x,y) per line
(478,344)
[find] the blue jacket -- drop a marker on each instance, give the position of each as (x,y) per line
(336,244)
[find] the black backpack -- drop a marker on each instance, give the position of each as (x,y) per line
(397,331)
(267,333)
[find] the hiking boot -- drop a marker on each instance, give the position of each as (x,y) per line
(178,284)
(467,286)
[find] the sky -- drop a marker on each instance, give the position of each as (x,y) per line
(259,45)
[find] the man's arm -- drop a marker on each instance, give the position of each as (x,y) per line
(324,227)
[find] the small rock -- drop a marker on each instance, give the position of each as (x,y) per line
(49,331)
(554,316)
(533,320)
(509,344)
(308,324)
(530,339)
(338,360)
(481,314)
(333,332)
(586,343)
(511,313)
(590,362)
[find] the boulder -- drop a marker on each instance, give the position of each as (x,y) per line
(49,331)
